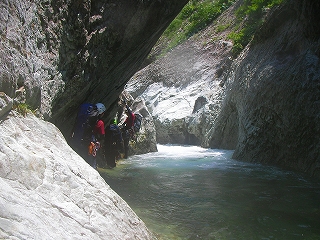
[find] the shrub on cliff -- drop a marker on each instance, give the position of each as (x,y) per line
(250,14)
(197,15)
(194,17)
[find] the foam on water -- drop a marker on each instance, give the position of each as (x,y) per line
(174,156)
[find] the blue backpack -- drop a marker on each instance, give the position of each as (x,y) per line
(86,118)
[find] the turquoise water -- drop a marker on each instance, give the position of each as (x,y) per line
(185,192)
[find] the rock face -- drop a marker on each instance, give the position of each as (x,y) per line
(62,53)
(49,192)
(273,93)
(184,89)
(145,139)
(55,55)
(5,104)
(29,53)
(264,104)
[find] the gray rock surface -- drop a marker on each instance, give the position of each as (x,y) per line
(50,192)
(264,104)
(5,104)
(184,89)
(67,52)
(145,140)
(29,53)
(273,92)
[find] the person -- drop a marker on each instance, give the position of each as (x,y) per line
(97,134)
(78,134)
(127,130)
(113,143)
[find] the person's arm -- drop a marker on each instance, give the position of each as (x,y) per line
(128,109)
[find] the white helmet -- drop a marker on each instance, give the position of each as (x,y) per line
(101,108)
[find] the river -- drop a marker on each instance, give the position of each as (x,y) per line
(187,192)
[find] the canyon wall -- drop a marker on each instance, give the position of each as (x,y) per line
(57,54)
(273,92)
(264,103)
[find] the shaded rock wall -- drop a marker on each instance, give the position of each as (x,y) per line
(29,52)
(273,98)
(65,52)
(107,41)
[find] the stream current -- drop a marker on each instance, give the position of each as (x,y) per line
(187,192)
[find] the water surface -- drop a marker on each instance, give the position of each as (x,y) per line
(187,192)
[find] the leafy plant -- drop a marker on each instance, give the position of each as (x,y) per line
(198,14)
(23,109)
(195,16)
(256,7)
(252,11)
(221,28)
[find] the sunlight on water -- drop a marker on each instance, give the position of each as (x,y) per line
(171,156)
(187,192)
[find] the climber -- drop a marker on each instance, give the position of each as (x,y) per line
(94,133)
(113,143)
(127,129)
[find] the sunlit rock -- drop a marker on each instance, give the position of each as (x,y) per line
(174,85)
(264,103)
(50,192)
(5,104)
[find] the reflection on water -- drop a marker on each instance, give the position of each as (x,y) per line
(184,192)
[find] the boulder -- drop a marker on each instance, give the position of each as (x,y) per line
(49,192)
(145,140)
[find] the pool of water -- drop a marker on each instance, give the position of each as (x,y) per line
(187,192)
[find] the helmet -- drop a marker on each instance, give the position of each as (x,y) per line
(101,108)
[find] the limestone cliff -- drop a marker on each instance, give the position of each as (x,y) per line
(59,54)
(264,104)
(184,89)
(55,55)
(50,192)
(273,92)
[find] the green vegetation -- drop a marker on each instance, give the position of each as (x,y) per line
(221,28)
(195,16)
(198,14)
(23,109)
(253,12)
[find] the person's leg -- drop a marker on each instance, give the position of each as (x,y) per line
(126,147)
(109,157)
(113,157)
(94,162)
